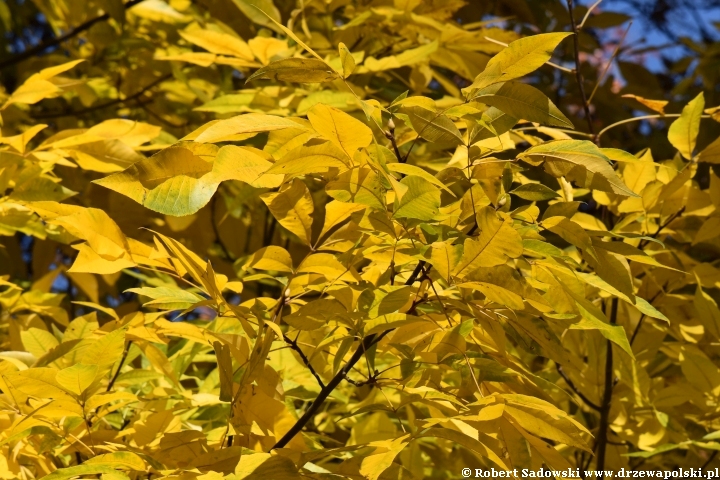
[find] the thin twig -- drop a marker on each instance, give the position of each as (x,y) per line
(293,344)
(364,346)
(216,231)
(117,101)
(602,436)
(390,134)
(642,317)
(587,14)
(554,65)
(712,457)
(120,365)
(643,117)
(578,74)
(38,49)
(609,63)
(662,227)
(572,386)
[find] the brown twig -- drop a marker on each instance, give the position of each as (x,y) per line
(120,365)
(38,49)
(341,375)
(294,345)
(578,74)
(390,135)
(572,386)
(216,231)
(642,317)
(602,436)
(117,101)
(662,227)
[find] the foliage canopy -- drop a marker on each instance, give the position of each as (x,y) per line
(250,239)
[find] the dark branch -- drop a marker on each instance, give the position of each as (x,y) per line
(38,49)
(216,231)
(120,365)
(293,344)
(117,101)
(390,134)
(602,436)
(341,375)
(578,74)
(662,227)
(642,317)
(712,457)
(572,386)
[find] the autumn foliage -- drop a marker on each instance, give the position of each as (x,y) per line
(353,240)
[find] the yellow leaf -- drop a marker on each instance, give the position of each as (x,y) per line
(292,207)
(219,42)
(683,132)
(37,87)
(271,258)
(247,165)
(121,460)
(654,105)
(346,59)
(299,70)
(262,466)
(346,132)
(78,378)
(336,213)
(38,342)
(519,58)
(383,456)
(224,365)
(498,242)
(248,123)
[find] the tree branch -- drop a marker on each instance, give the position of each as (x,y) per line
(216,230)
(670,219)
(572,386)
(364,346)
(602,436)
(293,344)
(390,134)
(38,49)
(642,317)
(578,74)
(120,365)
(117,101)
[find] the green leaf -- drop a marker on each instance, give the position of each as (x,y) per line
(433,126)
(594,319)
(523,101)
(420,201)
(298,70)
(711,153)
(292,207)
(535,192)
(407,169)
(78,378)
(519,58)
(498,242)
(174,181)
(346,59)
(359,185)
(580,161)
(121,460)
(84,469)
(262,12)
(684,131)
